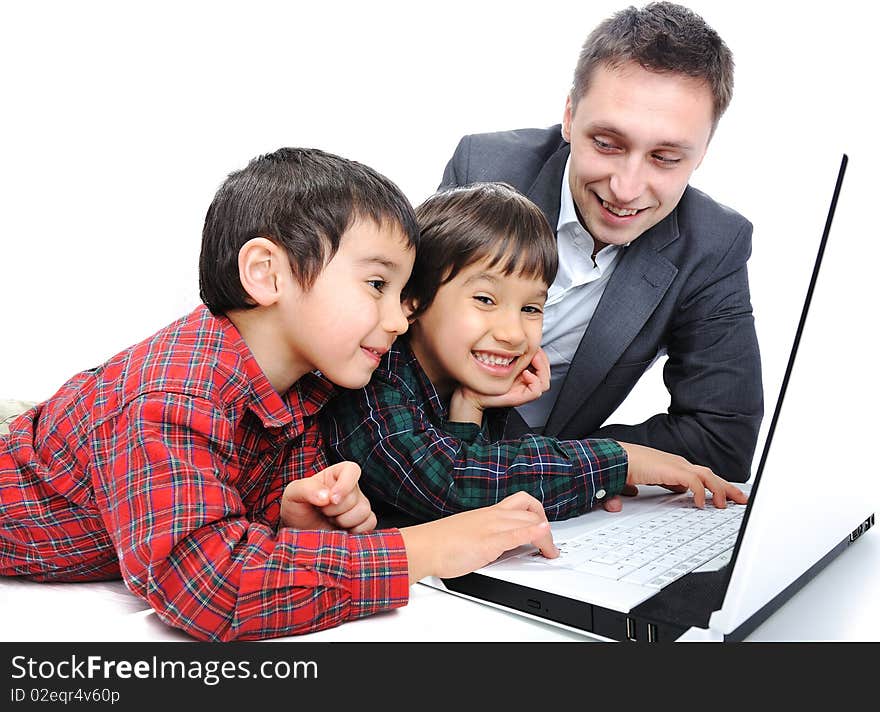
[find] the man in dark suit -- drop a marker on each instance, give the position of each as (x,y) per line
(648,264)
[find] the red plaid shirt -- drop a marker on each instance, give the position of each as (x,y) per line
(166,464)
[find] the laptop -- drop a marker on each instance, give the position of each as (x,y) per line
(663,570)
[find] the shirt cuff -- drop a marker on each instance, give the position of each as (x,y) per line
(468,432)
(614,468)
(379,572)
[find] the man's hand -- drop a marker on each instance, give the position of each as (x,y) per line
(456,545)
(467,405)
(329,499)
(648,466)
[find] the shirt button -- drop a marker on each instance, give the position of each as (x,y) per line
(600,493)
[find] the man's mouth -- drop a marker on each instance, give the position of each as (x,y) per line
(620,212)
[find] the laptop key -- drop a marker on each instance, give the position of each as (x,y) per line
(611,571)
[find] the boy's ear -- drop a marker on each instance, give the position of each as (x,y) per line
(409,305)
(261,268)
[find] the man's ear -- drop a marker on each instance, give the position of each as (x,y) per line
(700,161)
(261,269)
(566,119)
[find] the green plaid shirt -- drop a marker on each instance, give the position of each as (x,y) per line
(414,459)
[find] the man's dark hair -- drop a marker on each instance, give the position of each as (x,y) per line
(480,221)
(661,37)
(301,199)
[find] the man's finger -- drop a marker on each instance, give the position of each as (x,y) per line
(699,490)
(629,490)
(735,494)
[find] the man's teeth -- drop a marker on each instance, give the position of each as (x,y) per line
(622,212)
(493,360)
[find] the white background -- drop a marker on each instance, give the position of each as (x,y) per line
(120,120)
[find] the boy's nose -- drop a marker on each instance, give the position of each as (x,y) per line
(394,319)
(509,330)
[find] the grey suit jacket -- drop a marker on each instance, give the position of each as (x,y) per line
(681,287)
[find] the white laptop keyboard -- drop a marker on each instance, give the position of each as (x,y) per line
(656,548)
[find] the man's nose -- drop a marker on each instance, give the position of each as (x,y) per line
(628,181)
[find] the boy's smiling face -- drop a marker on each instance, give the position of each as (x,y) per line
(352,313)
(481,330)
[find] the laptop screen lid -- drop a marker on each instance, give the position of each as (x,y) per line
(810,493)
(691,604)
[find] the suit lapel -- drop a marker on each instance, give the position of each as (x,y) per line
(545,191)
(636,287)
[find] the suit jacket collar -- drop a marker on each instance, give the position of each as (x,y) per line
(545,191)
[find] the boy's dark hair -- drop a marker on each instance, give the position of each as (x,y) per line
(461,226)
(301,199)
(661,37)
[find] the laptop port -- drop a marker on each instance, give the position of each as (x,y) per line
(652,633)
(630,629)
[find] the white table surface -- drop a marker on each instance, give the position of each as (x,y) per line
(842,603)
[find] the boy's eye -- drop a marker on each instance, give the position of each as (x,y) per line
(377,284)
(483,299)
(532,309)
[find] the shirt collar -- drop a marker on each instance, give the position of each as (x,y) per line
(402,360)
(305,398)
(568,214)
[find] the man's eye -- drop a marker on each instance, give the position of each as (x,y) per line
(604,145)
(666,161)
(377,284)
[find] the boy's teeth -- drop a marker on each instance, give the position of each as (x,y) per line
(618,211)
(493,360)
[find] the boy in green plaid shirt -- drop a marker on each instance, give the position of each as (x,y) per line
(427,428)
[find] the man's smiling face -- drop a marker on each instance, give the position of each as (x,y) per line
(636,137)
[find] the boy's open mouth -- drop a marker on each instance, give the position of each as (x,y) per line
(373,354)
(496,360)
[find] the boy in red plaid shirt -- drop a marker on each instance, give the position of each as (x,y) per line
(191,463)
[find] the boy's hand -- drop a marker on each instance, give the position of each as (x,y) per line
(456,545)
(531,382)
(615,503)
(648,466)
(329,499)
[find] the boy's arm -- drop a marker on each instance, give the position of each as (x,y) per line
(186,545)
(428,471)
